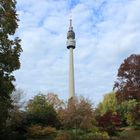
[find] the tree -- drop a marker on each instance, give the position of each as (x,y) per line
(18,101)
(127,86)
(129,112)
(109,103)
(10,51)
(41,112)
(109,122)
(78,113)
(55,101)
(17,115)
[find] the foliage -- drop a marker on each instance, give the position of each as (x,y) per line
(129,112)
(13,136)
(55,101)
(78,113)
(16,122)
(63,135)
(10,50)
(109,103)
(41,112)
(127,85)
(18,99)
(80,134)
(88,135)
(97,136)
(109,122)
(38,131)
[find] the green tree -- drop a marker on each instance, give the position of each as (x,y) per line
(10,51)
(129,112)
(109,103)
(41,112)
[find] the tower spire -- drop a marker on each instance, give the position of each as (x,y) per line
(70,22)
(70,26)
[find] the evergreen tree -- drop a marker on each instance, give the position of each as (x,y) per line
(10,51)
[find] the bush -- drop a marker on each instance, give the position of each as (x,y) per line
(63,136)
(109,122)
(80,134)
(99,136)
(92,136)
(38,131)
(13,136)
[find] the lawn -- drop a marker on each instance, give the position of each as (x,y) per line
(130,134)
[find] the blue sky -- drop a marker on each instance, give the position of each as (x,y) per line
(107,31)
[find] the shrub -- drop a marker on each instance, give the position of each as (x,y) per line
(13,136)
(63,136)
(80,134)
(97,136)
(109,122)
(37,131)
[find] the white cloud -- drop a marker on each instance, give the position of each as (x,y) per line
(106,32)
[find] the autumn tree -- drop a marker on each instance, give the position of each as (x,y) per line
(10,51)
(107,117)
(54,100)
(78,113)
(127,86)
(109,122)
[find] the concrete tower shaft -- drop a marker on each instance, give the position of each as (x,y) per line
(71,43)
(71,74)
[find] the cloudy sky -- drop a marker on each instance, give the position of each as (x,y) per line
(107,32)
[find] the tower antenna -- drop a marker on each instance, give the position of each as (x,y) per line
(70,18)
(70,12)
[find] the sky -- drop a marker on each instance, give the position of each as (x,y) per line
(107,32)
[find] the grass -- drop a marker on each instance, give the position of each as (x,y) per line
(128,134)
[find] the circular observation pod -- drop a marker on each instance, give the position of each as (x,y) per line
(70,34)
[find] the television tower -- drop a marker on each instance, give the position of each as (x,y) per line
(71,43)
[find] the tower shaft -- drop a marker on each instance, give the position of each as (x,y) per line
(71,74)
